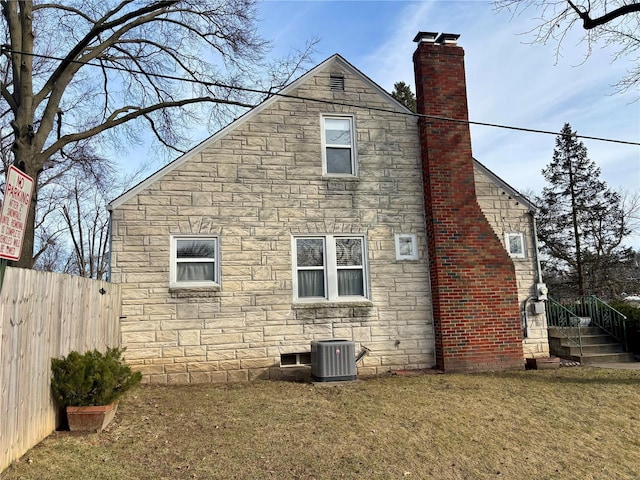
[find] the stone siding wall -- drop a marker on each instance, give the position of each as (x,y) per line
(507,215)
(256,187)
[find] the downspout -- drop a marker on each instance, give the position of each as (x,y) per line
(535,246)
(537,257)
(538,275)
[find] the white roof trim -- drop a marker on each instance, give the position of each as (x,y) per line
(505,186)
(336,58)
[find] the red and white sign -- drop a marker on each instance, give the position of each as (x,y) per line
(13,217)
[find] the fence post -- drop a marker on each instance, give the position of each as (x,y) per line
(3,268)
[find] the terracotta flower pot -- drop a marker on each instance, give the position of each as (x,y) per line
(90,419)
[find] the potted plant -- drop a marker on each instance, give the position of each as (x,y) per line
(89,385)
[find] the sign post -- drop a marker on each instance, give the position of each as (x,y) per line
(13,216)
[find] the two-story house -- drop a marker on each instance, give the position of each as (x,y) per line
(330,211)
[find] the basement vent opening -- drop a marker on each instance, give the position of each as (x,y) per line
(292,359)
(336,82)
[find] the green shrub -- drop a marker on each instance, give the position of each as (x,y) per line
(633,323)
(92,378)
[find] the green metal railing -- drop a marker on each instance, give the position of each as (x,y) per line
(607,318)
(601,314)
(567,321)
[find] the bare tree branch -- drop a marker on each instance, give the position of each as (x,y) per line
(116,119)
(589,23)
(613,23)
(77,69)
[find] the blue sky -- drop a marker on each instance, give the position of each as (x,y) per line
(509,80)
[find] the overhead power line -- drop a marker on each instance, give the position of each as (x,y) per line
(7,48)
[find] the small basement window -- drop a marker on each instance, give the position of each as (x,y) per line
(293,359)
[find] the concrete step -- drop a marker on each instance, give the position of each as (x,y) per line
(605,358)
(599,339)
(588,340)
(558,332)
(597,346)
(593,349)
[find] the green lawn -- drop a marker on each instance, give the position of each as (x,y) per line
(573,423)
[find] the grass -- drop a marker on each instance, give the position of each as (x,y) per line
(573,423)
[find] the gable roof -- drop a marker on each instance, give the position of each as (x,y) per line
(330,62)
(335,59)
(506,187)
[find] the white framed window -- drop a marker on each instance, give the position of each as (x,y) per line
(338,145)
(515,244)
(330,267)
(406,246)
(194,261)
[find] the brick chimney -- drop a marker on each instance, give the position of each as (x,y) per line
(473,283)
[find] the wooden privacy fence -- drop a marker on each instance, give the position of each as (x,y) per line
(45,315)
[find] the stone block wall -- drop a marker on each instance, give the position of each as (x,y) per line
(256,186)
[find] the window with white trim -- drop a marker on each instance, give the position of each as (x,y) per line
(330,267)
(515,244)
(194,261)
(406,246)
(338,145)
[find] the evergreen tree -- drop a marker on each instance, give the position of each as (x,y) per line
(402,92)
(581,221)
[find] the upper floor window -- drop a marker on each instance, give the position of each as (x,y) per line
(338,145)
(330,268)
(515,244)
(194,261)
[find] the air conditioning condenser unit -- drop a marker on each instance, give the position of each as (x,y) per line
(333,360)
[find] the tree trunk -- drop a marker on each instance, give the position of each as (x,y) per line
(25,148)
(27,259)
(576,230)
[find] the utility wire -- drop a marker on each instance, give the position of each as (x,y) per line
(7,48)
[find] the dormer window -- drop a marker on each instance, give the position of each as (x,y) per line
(338,145)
